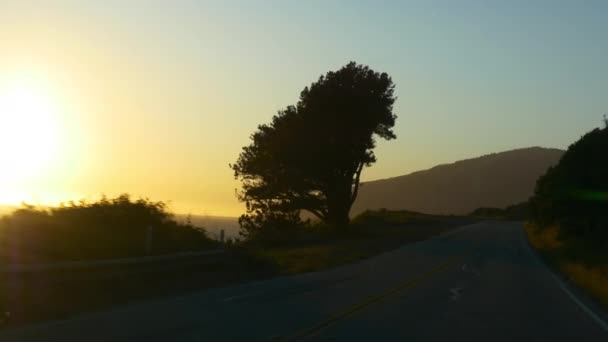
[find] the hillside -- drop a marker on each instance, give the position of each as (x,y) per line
(495,180)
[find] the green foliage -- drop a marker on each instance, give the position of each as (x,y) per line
(109,228)
(520,211)
(570,209)
(311,155)
(574,193)
(278,231)
(385,217)
(271,227)
(318,247)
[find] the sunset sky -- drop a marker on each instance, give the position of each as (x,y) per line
(156,98)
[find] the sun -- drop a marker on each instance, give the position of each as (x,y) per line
(28,134)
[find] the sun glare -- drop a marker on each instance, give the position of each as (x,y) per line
(28,134)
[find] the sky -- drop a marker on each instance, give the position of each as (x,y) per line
(156,98)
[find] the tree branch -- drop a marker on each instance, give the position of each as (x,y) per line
(318,214)
(356,189)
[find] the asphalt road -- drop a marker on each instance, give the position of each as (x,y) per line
(478,283)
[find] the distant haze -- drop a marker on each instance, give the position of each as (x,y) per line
(215,224)
(495,180)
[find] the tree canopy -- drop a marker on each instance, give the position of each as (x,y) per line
(311,155)
(574,193)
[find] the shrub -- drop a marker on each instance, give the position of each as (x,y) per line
(108,228)
(574,193)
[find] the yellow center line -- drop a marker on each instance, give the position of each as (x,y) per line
(310,332)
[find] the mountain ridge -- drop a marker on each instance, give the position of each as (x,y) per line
(492,180)
(469,159)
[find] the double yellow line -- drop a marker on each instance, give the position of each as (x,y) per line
(315,330)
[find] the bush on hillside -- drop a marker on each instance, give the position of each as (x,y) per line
(109,228)
(513,212)
(384,217)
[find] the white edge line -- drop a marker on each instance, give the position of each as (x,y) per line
(582,305)
(564,287)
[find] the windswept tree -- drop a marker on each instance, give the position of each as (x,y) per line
(310,157)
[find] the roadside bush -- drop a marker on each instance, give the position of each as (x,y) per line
(574,193)
(109,228)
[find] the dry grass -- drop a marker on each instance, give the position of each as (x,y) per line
(371,234)
(545,239)
(311,258)
(592,277)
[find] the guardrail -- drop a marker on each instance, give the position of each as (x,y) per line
(76,265)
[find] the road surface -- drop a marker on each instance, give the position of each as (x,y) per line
(478,283)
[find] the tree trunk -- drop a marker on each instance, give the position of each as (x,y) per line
(342,197)
(339,218)
(339,209)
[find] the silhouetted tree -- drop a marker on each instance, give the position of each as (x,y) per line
(574,193)
(311,155)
